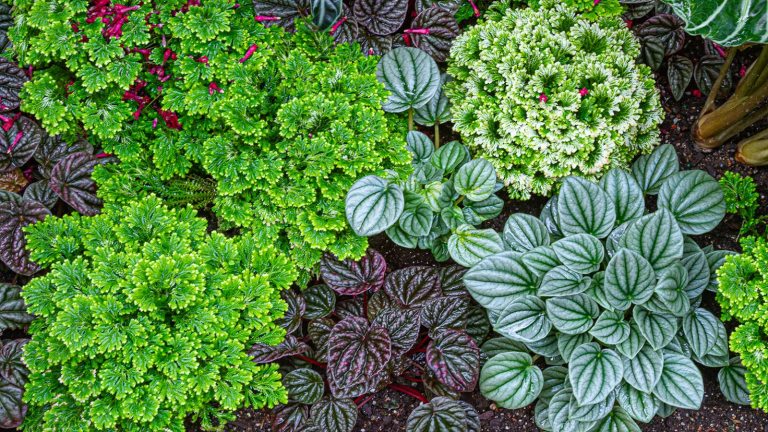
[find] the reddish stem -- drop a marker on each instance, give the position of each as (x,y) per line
(410,391)
(411,379)
(421,31)
(338,24)
(474,8)
(310,361)
(419,347)
(362,400)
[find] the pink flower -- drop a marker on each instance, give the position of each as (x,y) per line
(696,93)
(543,98)
(583,92)
(252,49)
(474,8)
(212,88)
(262,18)
(203,59)
(421,31)
(338,24)
(154,123)
(742,71)
(597,2)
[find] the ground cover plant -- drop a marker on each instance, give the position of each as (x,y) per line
(543,93)
(145,318)
(283,123)
(610,295)
(359,332)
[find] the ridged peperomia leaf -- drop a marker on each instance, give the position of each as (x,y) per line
(325,12)
(511,380)
(451,156)
(320,301)
(296,306)
(373,205)
(524,320)
(357,351)
(572,314)
(350,277)
(657,328)
(644,370)
(728,23)
(468,245)
(337,415)
(263,353)
(440,414)
(13,180)
(594,373)
(381,17)
(700,328)
(476,180)
(19,143)
(629,279)
(679,74)
(319,331)
(304,385)
(639,405)
(454,358)
(657,238)
(667,28)
(71,180)
(286,10)
(412,287)
(680,384)
(707,71)
(410,75)
(14,216)
(13,313)
(290,418)
(618,420)
(651,171)
(12,79)
(40,191)
(593,412)
(444,313)
(625,193)
(567,344)
(402,327)
(695,199)
(733,383)
(12,409)
(433,30)
(52,149)
(12,367)
(437,110)
(583,207)
(420,146)
(582,253)
(610,328)
(671,289)
(523,232)
(449,5)
(499,279)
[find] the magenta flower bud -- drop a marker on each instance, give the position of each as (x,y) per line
(154,123)
(543,98)
(421,31)
(212,87)
(263,18)
(338,24)
(474,8)
(583,92)
(252,49)
(16,140)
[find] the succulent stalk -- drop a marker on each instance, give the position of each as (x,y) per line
(754,150)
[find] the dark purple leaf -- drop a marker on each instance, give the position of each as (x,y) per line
(350,308)
(320,301)
(413,286)
(450,5)
(433,31)
(381,17)
(12,368)
(71,180)
(706,72)
(296,306)
(452,280)
(52,149)
(435,388)
(652,51)
(319,332)
(291,346)
(40,191)
(445,313)
(372,44)
(6,21)
(6,196)
(290,418)
(19,143)
(478,325)
(12,409)
(473,418)
(345,30)
(350,277)
(454,358)
(378,302)
(356,351)
(370,385)
(668,28)
(12,180)
(440,414)
(304,386)
(13,311)
(679,72)
(403,328)
(13,218)
(334,415)
(286,10)
(11,77)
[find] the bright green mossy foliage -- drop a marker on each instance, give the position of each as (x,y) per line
(592,9)
(284,123)
(544,93)
(144,319)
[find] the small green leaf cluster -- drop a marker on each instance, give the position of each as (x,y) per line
(590,9)
(544,93)
(284,123)
(743,295)
(742,199)
(144,319)
(610,296)
(436,208)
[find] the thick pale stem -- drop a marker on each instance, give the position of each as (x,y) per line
(754,150)
(437,135)
(715,128)
(410,119)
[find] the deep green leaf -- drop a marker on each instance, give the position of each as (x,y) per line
(700,328)
(468,245)
(373,205)
(560,282)
(304,385)
(695,199)
(523,232)
(594,373)
(338,415)
(658,329)
(573,314)
(476,180)
(610,328)
(657,238)
(410,75)
(320,301)
(567,344)
(618,420)
(511,380)
(651,171)
(629,279)
(732,382)
(583,207)
(499,279)
(639,405)
(524,319)
(644,370)
(581,253)
(625,193)
(680,384)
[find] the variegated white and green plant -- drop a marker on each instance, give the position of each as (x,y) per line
(598,301)
(438,207)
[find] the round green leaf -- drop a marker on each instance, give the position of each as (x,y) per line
(651,171)
(499,345)
(373,205)
(477,212)
(573,314)
(732,382)
(610,328)
(450,156)
(440,414)
(546,347)
(410,75)
(618,421)
(476,180)
(437,110)
(671,289)
(511,380)
(338,415)
(525,320)
(468,245)
(304,386)
(594,373)
(541,259)
(644,370)
(657,238)
(499,279)
(639,405)
(401,238)
(697,267)
(591,413)
(585,208)
(524,232)
(420,146)
(567,344)
(680,384)
(581,253)
(700,328)
(728,23)
(658,329)
(416,221)
(625,193)
(695,199)
(555,379)
(560,282)
(634,342)
(629,279)
(320,301)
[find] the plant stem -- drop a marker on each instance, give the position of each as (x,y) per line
(708,105)
(458,201)
(362,400)
(437,135)
(754,150)
(410,391)
(410,119)
(310,361)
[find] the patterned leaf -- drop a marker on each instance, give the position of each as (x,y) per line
(13,218)
(410,75)
(372,44)
(320,301)
(12,367)
(411,287)
(449,5)
(445,313)
(476,180)
(625,193)
(71,180)
(12,181)
(541,259)
(651,171)
(594,373)
(12,409)
(610,328)
(700,328)
(733,383)
(573,314)
(591,413)
(441,29)
(440,414)
(40,191)
(450,156)
(555,379)
(652,51)
(338,415)
(420,146)
(357,351)
(437,110)
(618,421)
(52,149)
(581,253)
(499,345)
(290,418)
(13,312)
(291,321)
(287,10)
(728,23)
(468,245)
(499,279)
(373,205)
(304,386)
(452,280)
(402,327)
(511,380)
(668,28)
(523,232)
(633,344)
(697,267)
(416,221)
(379,16)
(658,329)
(560,282)
(12,78)
(291,346)
(629,279)
(695,199)
(680,384)
(19,143)
(477,212)
(351,277)
(454,358)
(325,12)
(567,344)
(524,320)
(639,405)
(657,238)
(644,370)
(706,72)
(319,332)
(671,289)
(585,208)
(679,73)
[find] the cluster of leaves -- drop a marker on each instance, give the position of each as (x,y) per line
(376,25)
(544,93)
(743,295)
(663,38)
(13,372)
(436,208)
(283,123)
(591,9)
(361,329)
(742,199)
(611,296)
(145,318)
